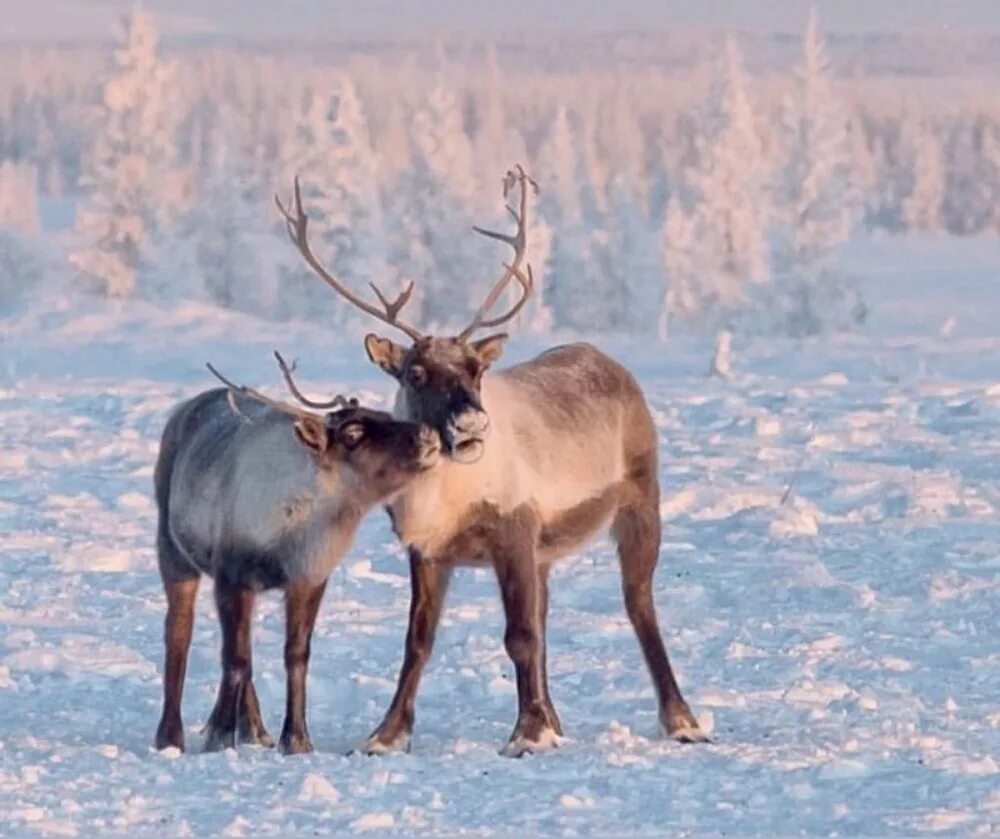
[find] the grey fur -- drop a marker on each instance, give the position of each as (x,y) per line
(242,498)
(258,499)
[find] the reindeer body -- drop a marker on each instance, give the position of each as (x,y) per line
(244,501)
(257,497)
(569,447)
(565,430)
(539,457)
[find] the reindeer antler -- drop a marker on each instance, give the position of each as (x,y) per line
(518,241)
(296,222)
(256,395)
(338,401)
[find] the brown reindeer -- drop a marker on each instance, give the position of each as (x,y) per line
(540,456)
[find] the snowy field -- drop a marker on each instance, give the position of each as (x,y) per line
(843,647)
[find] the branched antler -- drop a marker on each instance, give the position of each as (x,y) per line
(297,224)
(518,241)
(256,395)
(338,401)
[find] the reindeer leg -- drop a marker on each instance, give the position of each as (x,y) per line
(636,529)
(302,601)
(429,584)
(543,612)
(235,606)
(177,628)
(517,573)
(251,721)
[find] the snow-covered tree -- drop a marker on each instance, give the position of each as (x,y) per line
(991,164)
(133,187)
(497,143)
(817,176)
(537,315)
(393,145)
(865,170)
(303,149)
(621,142)
(630,262)
(429,216)
(815,198)
(726,194)
(921,208)
(232,225)
(21,266)
(571,289)
(335,162)
(680,294)
(969,194)
(20,262)
(19,197)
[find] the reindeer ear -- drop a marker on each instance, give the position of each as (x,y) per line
(313,432)
(385,354)
(489,349)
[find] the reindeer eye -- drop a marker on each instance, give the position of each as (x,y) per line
(353,433)
(417,375)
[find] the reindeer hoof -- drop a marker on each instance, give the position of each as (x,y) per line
(217,740)
(263,739)
(296,744)
(690,735)
(259,737)
(519,745)
(375,745)
(684,728)
(169,735)
(255,735)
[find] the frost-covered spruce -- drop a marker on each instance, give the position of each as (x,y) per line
(725,191)
(258,494)
(133,186)
(331,151)
(430,198)
(816,200)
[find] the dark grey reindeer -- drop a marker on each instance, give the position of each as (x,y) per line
(258,494)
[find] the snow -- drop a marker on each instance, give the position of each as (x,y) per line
(840,645)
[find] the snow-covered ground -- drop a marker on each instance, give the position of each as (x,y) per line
(843,646)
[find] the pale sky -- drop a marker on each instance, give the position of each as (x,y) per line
(40,19)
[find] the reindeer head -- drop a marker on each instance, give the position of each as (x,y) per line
(381,453)
(439,377)
(374,452)
(439,384)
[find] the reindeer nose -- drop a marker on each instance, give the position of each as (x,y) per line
(471,424)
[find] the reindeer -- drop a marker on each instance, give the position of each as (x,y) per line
(540,456)
(258,494)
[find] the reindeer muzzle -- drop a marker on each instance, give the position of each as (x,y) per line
(465,436)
